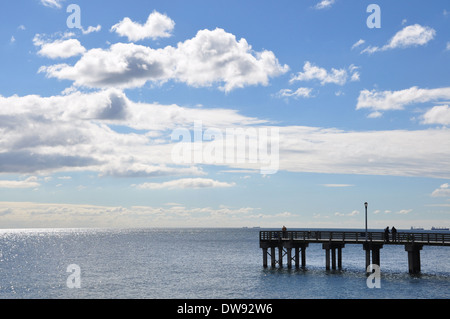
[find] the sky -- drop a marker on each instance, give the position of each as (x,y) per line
(224,113)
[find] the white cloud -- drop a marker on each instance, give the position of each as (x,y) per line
(60,48)
(355,77)
(397,100)
(157,26)
(358,43)
(91,29)
(324,4)
(353,213)
(300,92)
(404,211)
(448,46)
(409,36)
(336,76)
(413,35)
(52,3)
(375,115)
(437,115)
(442,191)
(370,49)
(30,182)
(211,57)
(186,183)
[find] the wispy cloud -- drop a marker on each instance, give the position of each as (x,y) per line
(91,29)
(409,36)
(324,4)
(336,76)
(30,182)
(442,191)
(352,213)
(358,43)
(52,3)
(404,211)
(186,183)
(397,100)
(300,92)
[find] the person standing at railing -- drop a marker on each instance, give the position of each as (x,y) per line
(386,234)
(284,231)
(394,234)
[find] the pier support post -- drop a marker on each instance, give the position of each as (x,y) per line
(327,258)
(375,249)
(333,258)
(413,257)
(272,257)
(280,256)
(339,257)
(289,257)
(330,248)
(264,257)
(304,255)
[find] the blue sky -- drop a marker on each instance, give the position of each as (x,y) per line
(357,113)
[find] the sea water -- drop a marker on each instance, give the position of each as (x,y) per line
(207,263)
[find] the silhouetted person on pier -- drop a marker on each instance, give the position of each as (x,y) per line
(284,230)
(386,234)
(394,234)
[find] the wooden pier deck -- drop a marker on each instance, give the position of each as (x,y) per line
(334,241)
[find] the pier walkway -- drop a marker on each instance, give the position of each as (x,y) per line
(333,242)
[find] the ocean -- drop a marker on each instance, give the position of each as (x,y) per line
(207,263)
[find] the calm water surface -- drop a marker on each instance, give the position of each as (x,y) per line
(198,263)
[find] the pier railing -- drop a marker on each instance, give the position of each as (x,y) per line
(357,237)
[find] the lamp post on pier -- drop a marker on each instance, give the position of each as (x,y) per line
(365,205)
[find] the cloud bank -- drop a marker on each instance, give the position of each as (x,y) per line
(211,57)
(107,133)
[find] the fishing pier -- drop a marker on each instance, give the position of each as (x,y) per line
(293,244)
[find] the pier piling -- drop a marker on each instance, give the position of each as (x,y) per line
(373,248)
(413,257)
(331,249)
